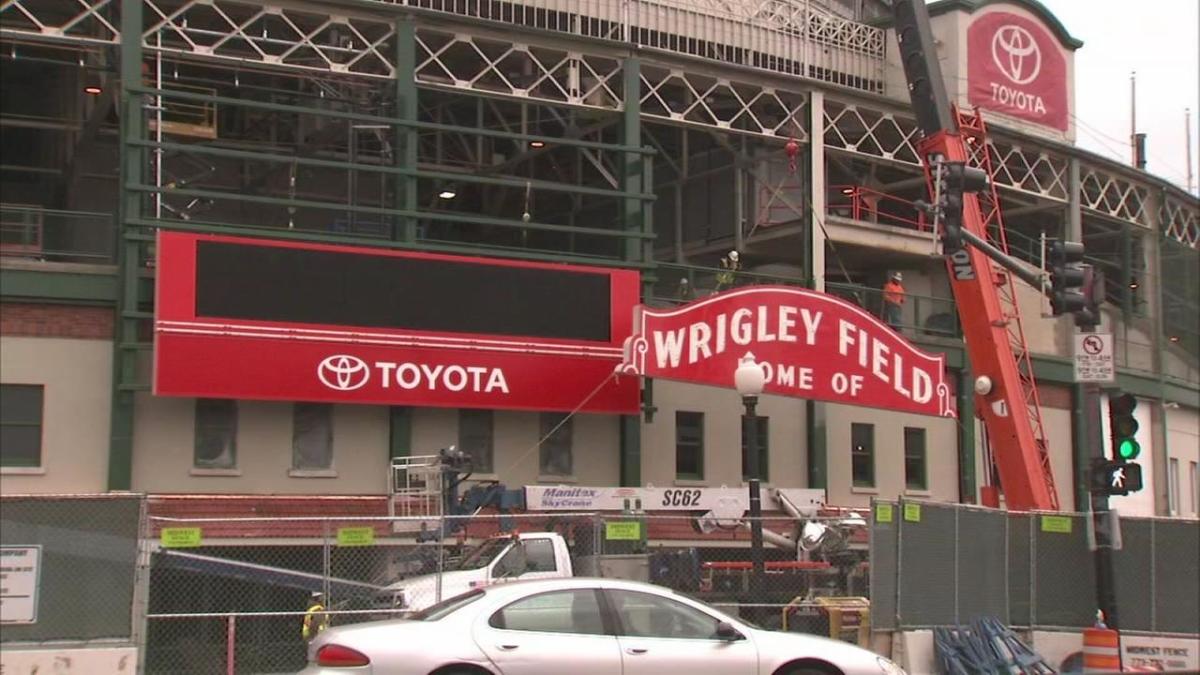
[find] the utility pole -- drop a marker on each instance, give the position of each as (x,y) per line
(1187,144)
(1133,153)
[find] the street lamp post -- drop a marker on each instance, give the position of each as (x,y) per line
(749,379)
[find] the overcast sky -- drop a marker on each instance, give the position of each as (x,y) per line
(1160,39)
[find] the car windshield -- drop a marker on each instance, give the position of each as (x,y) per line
(447,606)
(483,554)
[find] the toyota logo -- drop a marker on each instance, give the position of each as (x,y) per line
(1016,54)
(343,373)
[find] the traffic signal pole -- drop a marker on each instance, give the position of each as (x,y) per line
(1106,591)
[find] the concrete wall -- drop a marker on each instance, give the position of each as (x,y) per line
(722,408)
(1183,445)
(941,447)
(164,437)
(77,376)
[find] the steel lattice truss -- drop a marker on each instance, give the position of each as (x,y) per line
(1113,195)
(465,61)
(720,102)
(82,21)
(878,134)
(1180,219)
(253,33)
(1029,170)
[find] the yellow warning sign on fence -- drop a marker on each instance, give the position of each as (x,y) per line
(1056,524)
(623,531)
(912,513)
(356,536)
(180,537)
(883,513)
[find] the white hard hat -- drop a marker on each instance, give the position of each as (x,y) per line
(733,255)
(897,276)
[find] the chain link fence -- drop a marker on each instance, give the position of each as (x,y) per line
(70,570)
(228,594)
(217,605)
(947,564)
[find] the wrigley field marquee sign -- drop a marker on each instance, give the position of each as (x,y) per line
(809,344)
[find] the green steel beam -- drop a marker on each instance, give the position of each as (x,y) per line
(635,172)
(407,140)
(270,232)
(133,166)
(966,436)
(631,450)
(58,286)
(1081,455)
(392,121)
(398,170)
(815,432)
(453,217)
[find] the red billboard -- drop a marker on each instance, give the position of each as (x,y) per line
(810,345)
(1015,66)
(246,318)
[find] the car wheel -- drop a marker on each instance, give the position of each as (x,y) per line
(820,668)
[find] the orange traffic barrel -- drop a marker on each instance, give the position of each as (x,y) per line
(1101,649)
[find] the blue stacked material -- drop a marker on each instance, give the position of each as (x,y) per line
(985,647)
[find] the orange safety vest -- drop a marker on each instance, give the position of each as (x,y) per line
(893,293)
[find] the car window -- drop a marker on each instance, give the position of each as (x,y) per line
(447,606)
(576,611)
(539,555)
(653,616)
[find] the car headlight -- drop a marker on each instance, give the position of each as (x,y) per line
(888,668)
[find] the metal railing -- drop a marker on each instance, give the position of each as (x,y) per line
(35,233)
(920,315)
(794,38)
(859,202)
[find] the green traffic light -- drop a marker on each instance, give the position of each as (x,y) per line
(1129,449)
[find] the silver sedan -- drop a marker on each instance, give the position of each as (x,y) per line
(579,627)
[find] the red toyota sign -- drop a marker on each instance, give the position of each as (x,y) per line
(265,319)
(810,345)
(1016,67)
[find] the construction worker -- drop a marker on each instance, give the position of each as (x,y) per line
(893,300)
(315,617)
(730,264)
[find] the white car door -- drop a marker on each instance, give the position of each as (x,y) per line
(550,633)
(659,635)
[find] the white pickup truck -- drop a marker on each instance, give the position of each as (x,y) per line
(528,555)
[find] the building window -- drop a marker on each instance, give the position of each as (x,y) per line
(1173,487)
(21,425)
(475,438)
(862,455)
(312,436)
(914,459)
(216,434)
(689,445)
(556,457)
(1195,475)
(760,423)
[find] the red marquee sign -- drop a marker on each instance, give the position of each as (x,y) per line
(1016,67)
(811,345)
(266,319)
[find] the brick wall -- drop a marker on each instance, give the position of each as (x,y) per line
(60,321)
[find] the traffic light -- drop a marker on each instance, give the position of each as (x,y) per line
(1093,296)
(1122,427)
(956,179)
(1066,277)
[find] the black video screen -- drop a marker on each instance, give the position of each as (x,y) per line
(271,283)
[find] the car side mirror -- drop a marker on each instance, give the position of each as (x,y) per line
(726,631)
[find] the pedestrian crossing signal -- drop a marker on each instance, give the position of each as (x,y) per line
(1117,478)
